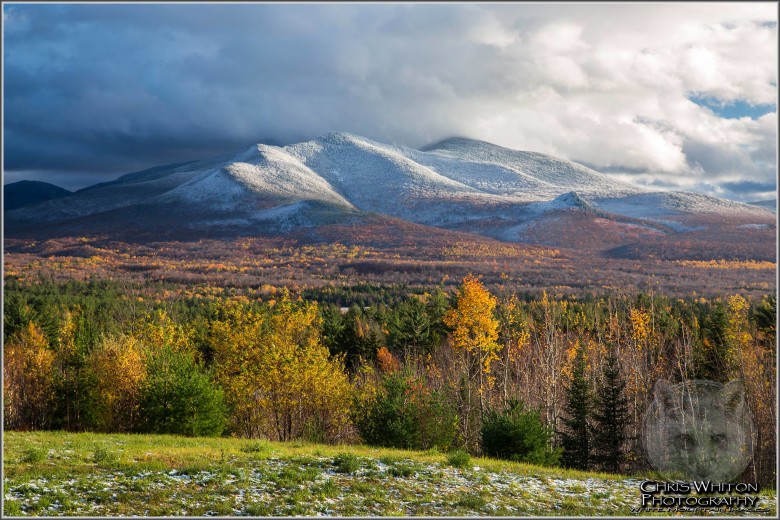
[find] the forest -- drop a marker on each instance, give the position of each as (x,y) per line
(549,379)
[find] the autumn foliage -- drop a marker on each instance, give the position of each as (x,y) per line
(28,385)
(280,381)
(117,365)
(427,366)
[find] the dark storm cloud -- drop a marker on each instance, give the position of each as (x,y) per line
(106,89)
(749,187)
(93,88)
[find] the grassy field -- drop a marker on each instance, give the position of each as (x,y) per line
(56,473)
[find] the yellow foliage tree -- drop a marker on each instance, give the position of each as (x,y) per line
(28,383)
(738,337)
(640,327)
(118,369)
(475,331)
(279,379)
(515,336)
(158,329)
(68,361)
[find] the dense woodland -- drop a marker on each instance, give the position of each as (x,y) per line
(547,379)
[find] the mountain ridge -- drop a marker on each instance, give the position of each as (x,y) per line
(458,183)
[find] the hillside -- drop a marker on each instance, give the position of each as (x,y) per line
(26,193)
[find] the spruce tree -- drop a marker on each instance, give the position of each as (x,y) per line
(611,417)
(410,329)
(575,438)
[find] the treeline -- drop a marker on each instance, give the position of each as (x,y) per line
(544,380)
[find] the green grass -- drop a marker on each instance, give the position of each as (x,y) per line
(85,474)
(105,456)
(34,455)
(258,448)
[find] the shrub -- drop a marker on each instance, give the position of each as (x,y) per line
(459,459)
(178,396)
(518,434)
(346,463)
(406,414)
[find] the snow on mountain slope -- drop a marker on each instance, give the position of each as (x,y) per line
(569,200)
(489,177)
(766,204)
(455,169)
(380,178)
(261,177)
(457,182)
(557,174)
(654,205)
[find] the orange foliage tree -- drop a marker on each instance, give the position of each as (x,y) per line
(386,361)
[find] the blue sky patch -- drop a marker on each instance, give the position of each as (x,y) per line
(732,109)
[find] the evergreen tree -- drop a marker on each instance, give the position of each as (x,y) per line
(333,326)
(410,328)
(518,433)
(710,355)
(575,438)
(354,334)
(178,397)
(436,308)
(611,417)
(766,315)
(360,338)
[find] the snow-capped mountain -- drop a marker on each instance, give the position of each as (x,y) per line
(458,183)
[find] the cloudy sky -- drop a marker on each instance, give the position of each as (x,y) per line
(680,96)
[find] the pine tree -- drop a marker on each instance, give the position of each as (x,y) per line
(410,328)
(611,417)
(575,438)
(766,315)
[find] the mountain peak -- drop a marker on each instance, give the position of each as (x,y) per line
(571,199)
(456,142)
(339,138)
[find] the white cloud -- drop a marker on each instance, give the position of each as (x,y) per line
(607,84)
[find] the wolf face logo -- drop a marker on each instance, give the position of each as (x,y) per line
(699,430)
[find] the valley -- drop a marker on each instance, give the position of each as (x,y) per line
(260,263)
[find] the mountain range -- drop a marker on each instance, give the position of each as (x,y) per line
(458,184)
